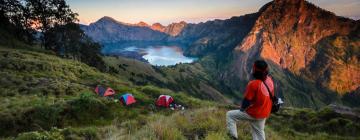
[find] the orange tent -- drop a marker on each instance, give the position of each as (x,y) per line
(102,91)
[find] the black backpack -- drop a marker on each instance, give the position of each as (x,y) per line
(275,101)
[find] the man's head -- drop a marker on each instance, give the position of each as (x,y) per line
(260,70)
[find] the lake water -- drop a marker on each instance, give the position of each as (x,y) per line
(160,55)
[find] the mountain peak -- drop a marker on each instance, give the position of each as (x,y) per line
(182,22)
(107,18)
(158,27)
(174,29)
(157,24)
(142,23)
(285,34)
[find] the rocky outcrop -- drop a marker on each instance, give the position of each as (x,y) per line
(172,29)
(142,24)
(305,40)
(336,63)
(175,29)
(217,35)
(158,27)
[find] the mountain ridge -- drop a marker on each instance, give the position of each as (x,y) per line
(289,39)
(291,36)
(141,31)
(107,30)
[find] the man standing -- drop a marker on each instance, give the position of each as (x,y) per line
(256,105)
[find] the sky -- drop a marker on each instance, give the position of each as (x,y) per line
(191,11)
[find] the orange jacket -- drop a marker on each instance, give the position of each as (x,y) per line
(258,96)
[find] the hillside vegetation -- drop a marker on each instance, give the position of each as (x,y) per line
(41,91)
(209,124)
(47,97)
(189,78)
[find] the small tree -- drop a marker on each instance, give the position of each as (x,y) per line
(56,23)
(14,18)
(70,41)
(46,14)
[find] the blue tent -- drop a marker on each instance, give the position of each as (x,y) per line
(127,99)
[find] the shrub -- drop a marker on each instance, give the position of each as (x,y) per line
(89,133)
(44,116)
(54,134)
(145,133)
(216,136)
(87,108)
(60,134)
(165,131)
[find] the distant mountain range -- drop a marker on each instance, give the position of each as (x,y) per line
(107,30)
(313,53)
(196,36)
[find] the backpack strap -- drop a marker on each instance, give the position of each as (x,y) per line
(271,96)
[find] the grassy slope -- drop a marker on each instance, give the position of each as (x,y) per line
(46,97)
(40,91)
(189,78)
(209,123)
(290,123)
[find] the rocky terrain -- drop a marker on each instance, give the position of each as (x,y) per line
(310,42)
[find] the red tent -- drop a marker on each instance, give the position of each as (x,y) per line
(102,91)
(164,100)
(127,99)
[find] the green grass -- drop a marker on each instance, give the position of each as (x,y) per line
(47,97)
(41,91)
(189,78)
(205,123)
(209,123)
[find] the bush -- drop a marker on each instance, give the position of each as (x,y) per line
(45,116)
(90,133)
(216,136)
(87,109)
(61,134)
(298,121)
(166,131)
(54,134)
